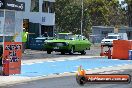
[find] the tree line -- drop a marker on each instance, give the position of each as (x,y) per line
(95,13)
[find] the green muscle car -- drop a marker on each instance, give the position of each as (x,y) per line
(67,43)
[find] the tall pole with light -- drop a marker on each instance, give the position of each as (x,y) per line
(82,18)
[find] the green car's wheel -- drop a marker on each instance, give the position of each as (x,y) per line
(71,51)
(62,53)
(83,52)
(48,52)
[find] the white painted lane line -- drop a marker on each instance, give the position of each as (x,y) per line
(61,73)
(49,61)
(104,67)
(66,72)
(126,64)
(61,60)
(110,66)
(89,69)
(115,59)
(119,65)
(43,75)
(23,63)
(73,59)
(39,62)
(129,60)
(29,63)
(74,71)
(96,68)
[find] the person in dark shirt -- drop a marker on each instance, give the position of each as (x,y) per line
(45,34)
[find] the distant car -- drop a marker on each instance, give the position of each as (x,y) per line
(68,43)
(108,41)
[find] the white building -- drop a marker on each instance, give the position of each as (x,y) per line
(41,16)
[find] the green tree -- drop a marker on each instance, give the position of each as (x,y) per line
(96,12)
(127,11)
(67,15)
(117,14)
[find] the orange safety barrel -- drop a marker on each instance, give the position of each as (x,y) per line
(121,49)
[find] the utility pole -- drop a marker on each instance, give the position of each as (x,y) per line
(82,18)
(130,14)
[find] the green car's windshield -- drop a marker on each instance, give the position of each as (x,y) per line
(65,36)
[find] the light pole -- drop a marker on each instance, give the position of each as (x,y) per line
(82,18)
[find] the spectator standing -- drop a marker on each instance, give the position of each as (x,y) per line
(24,40)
